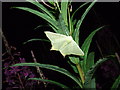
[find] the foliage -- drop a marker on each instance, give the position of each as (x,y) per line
(116,83)
(15,76)
(65,24)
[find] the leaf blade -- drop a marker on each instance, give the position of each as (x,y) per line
(51,67)
(89,74)
(51,81)
(79,23)
(40,6)
(116,83)
(63,29)
(90,61)
(31,40)
(86,45)
(78,9)
(42,15)
(64,6)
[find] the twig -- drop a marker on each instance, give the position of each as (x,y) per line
(118,58)
(99,49)
(116,40)
(4,53)
(8,49)
(46,4)
(20,81)
(38,69)
(81,73)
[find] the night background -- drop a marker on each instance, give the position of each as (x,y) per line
(19,26)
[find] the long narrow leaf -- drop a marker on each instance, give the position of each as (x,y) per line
(90,73)
(90,61)
(73,66)
(91,84)
(64,6)
(51,2)
(38,27)
(116,83)
(52,67)
(51,81)
(40,6)
(56,30)
(74,59)
(86,45)
(78,9)
(42,15)
(31,40)
(76,32)
(63,29)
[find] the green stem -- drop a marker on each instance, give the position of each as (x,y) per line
(69,22)
(58,6)
(81,73)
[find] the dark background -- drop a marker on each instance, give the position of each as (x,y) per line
(18,27)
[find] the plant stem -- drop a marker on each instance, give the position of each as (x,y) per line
(81,73)
(38,69)
(46,4)
(20,82)
(58,6)
(99,48)
(118,58)
(69,22)
(8,50)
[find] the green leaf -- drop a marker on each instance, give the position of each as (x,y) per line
(116,83)
(63,29)
(54,28)
(51,2)
(73,23)
(90,73)
(86,45)
(50,81)
(41,7)
(38,27)
(74,59)
(90,61)
(42,15)
(78,9)
(73,66)
(91,85)
(64,7)
(51,67)
(31,40)
(76,32)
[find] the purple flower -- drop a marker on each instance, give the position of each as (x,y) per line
(25,74)
(22,60)
(13,75)
(15,69)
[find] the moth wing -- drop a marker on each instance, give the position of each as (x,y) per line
(57,40)
(71,48)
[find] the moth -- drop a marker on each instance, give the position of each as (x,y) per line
(64,44)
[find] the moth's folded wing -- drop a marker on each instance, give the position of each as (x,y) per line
(54,37)
(58,44)
(72,48)
(57,40)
